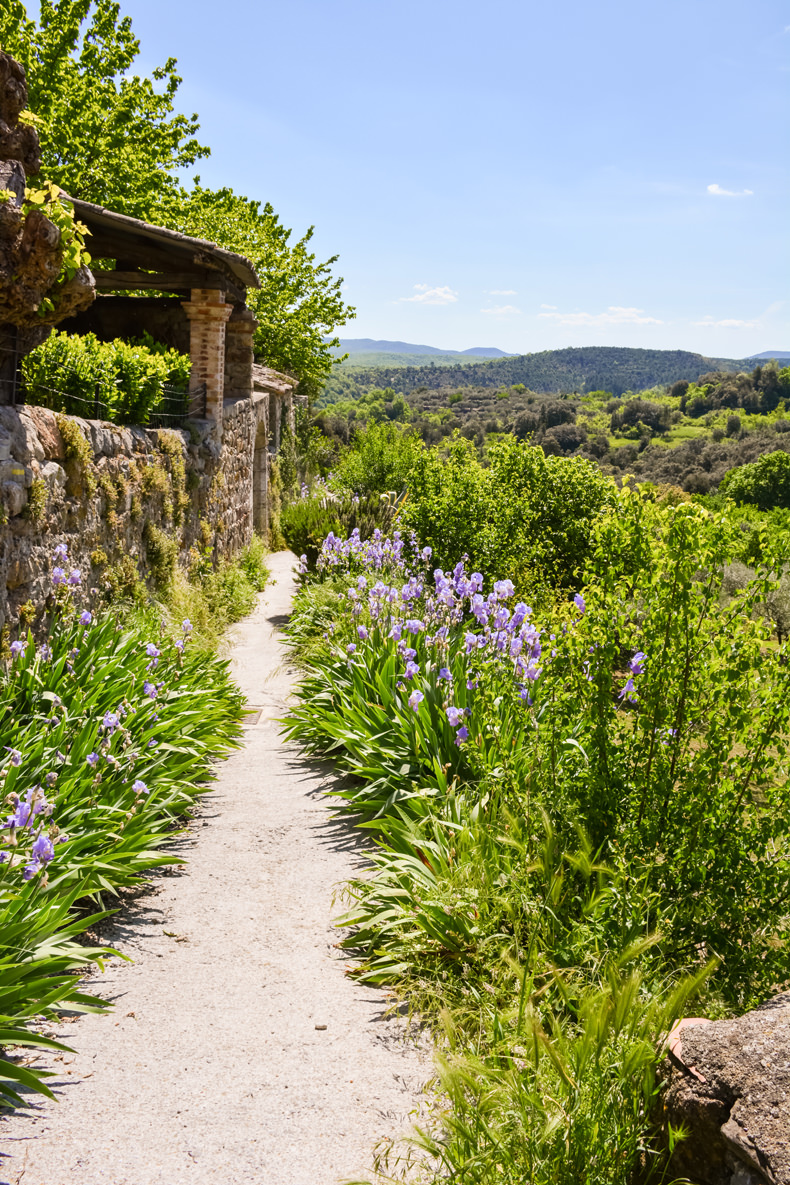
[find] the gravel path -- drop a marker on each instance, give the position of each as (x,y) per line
(214,1066)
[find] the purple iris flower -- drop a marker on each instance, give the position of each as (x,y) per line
(154,655)
(362,633)
(454,716)
(75,577)
(14,756)
(45,652)
(471,642)
(427,552)
(578,601)
(351,648)
(30,870)
(444,673)
(516,646)
(139,787)
(17,648)
(179,645)
(396,630)
(111,722)
(21,816)
(412,669)
(149,689)
(504,589)
(461,735)
(43,849)
(636,664)
(86,617)
(61,553)
(628,692)
(415,699)
(92,759)
(186,626)
(58,576)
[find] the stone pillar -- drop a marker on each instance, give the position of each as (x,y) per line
(239,353)
(207,313)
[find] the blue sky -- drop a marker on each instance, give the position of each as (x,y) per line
(525,175)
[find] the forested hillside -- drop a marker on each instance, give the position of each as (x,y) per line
(607,368)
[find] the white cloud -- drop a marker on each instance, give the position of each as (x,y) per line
(503,292)
(726,323)
(502,310)
(717,191)
(614,315)
(426,295)
(553,307)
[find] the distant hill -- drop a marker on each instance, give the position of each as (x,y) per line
(767,355)
(368,345)
(593,368)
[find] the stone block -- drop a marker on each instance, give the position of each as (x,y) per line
(12,471)
(46,425)
(728,1084)
(54,475)
(14,497)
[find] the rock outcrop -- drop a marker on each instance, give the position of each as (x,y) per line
(728,1084)
(31,250)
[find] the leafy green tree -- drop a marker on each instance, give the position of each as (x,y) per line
(112,137)
(765,483)
(379,460)
(107,135)
(299,303)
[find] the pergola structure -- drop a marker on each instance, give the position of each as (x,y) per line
(200,308)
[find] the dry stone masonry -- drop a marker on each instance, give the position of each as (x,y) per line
(130,502)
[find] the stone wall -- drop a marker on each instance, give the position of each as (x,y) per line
(129,502)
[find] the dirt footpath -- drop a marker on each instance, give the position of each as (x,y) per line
(215,1065)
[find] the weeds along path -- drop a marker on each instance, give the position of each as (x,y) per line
(213,1066)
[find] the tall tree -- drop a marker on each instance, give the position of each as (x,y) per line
(107,135)
(299,303)
(112,137)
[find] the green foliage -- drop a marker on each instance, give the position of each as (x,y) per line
(611,368)
(111,136)
(765,483)
(299,304)
(123,382)
(36,507)
(379,461)
(306,522)
(527,517)
(161,552)
(559,885)
(107,135)
(78,457)
(117,786)
(45,199)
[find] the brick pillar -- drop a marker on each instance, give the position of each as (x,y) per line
(207,313)
(239,353)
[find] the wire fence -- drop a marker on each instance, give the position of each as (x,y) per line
(173,407)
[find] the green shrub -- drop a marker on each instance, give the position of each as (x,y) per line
(306,522)
(765,483)
(379,460)
(526,517)
(119,381)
